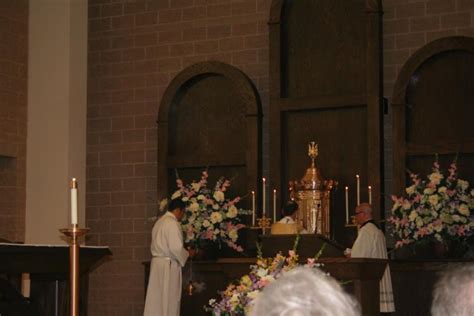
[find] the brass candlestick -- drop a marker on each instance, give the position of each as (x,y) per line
(354,224)
(74,233)
(264,223)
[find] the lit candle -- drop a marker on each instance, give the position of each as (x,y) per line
(347,205)
(370,195)
(253,208)
(274,205)
(358,189)
(74,201)
(263,196)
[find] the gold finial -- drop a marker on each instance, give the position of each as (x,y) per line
(73,183)
(312,152)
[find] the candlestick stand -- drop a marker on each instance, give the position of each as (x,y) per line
(264,223)
(74,233)
(354,224)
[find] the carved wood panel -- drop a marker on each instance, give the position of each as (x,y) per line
(325,85)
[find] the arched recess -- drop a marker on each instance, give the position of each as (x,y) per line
(433,108)
(210,117)
(326,86)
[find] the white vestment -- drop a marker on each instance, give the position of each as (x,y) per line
(370,243)
(163,295)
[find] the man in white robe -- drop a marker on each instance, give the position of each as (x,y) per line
(370,243)
(163,295)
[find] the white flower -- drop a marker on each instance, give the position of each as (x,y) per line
(216,217)
(219,196)
(435,177)
(233,234)
(253,295)
(446,218)
(194,207)
(163,204)
(198,224)
(464,210)
(206,223)
(456,218)
(262,272)
(442,190)
(428,191)
(215,207)
(234,299)
(212,301)
(411,189)
(175,195)
(201,197)
(185,199)
(463,184)
(413,215)
(196,186)
(419,222)
(232,212)
(433,199)
(406,205)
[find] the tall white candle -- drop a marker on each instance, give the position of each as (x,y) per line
(370,195)
(74,201)
(358,189)
(347,205)
(253,208)
(274,205)
(263,196)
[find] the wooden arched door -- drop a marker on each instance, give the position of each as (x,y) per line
(433,106)
(210,117)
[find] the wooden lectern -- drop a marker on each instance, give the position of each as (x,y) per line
(48,266)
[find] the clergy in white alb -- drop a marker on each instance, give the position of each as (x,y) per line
(370,243)
(163,295)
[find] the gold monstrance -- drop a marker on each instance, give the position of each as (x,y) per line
(313,195)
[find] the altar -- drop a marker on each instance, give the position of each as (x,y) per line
(362,275)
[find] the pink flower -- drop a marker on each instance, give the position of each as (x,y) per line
(311,262)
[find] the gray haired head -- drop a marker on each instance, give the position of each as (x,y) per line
(454,292)
(305,292)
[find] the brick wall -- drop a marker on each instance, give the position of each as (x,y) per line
(135,49)
(408,26)
(13,105)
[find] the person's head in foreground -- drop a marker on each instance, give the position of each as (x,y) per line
(305,292)
(454,292)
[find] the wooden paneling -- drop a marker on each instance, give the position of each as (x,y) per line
(318,62)
(210,117)
(433,110)
(325,85)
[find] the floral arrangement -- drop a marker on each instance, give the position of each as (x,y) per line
(439,208)
(238,298)
(209,216)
